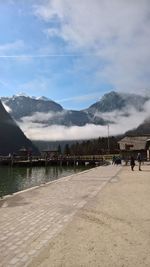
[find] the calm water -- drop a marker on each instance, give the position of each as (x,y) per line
(16,179)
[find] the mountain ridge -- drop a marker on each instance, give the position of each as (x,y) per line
(49,112)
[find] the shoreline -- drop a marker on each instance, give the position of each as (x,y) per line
(42,184)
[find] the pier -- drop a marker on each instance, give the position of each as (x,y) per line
(97,160)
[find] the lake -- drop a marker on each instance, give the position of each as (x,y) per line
(20,178)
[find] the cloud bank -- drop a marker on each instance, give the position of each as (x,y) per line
(36,127)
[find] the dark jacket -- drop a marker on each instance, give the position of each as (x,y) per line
(132,161)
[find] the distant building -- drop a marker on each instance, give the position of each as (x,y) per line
(23,152)
(135,144)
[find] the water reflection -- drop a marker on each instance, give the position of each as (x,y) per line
(16,179)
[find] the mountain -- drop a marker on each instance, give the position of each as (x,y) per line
(108,103)
(118,101)
(11,137)
(24,106)
(47,112)
(21,105)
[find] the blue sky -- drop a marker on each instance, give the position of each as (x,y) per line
(74,51)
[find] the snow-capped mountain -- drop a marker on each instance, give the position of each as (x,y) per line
(22,106)
(44,110)
(111,107)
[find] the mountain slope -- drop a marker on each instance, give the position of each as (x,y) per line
(143,128)
(11,136)
(108,103)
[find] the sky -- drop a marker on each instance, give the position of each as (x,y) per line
(74,51)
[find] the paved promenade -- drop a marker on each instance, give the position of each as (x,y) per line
(30,220)
(110,230)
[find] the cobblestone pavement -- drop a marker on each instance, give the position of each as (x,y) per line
(29,219)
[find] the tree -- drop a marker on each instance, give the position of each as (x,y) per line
(67,149)
(59,149)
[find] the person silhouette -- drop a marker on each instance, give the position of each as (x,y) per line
(139,159)
(132,163)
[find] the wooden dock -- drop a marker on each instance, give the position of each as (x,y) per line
(60,161)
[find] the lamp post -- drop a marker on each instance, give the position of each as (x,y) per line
(108,143)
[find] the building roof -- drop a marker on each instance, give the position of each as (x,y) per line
(134,142)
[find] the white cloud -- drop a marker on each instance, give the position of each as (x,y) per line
(40,83)
(81,98)
(39,117)
(11,47)
(117,31)
(37,131)
(15,50)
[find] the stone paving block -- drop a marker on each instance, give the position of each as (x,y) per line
(14,261)
(32,252)
(13,247)
(24,258)
(25,229)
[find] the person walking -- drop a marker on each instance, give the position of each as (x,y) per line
(139,159)
(113,159)
(132,163)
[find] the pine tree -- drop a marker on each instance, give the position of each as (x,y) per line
(66,150)
(59,149)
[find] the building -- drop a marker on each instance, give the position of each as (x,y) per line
(132,145)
